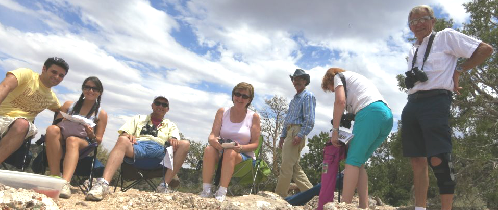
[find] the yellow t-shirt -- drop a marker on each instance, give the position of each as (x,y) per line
(165,130)
(29,98)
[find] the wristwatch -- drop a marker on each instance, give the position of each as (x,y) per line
(459,69)
(334,129)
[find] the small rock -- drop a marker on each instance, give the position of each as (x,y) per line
(82,203)
(329,206)
(379,201)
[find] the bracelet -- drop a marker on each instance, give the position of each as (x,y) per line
(240,150)
(334,129)
(459,69)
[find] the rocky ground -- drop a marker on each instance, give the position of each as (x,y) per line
(133,199)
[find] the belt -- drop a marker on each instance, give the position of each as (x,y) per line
(289,125)
(428,93)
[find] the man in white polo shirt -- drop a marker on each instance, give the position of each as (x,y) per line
(432,77)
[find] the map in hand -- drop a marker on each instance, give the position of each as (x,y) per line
(344,136)
(78,119)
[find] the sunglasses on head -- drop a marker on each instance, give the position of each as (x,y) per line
(164,104)
(95,89)
(237,94)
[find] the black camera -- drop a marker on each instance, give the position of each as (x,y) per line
(227,143)
(149,130)
(345,120)
(222,140)
(413,76)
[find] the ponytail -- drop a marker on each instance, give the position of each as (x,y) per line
(77,107)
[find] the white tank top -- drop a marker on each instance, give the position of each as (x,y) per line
(238,132)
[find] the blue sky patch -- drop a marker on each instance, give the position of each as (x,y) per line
(186,37)
(21,21)
(316,56)
(212,87)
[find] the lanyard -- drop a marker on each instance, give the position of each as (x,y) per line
(429,45)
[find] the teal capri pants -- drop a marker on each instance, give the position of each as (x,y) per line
(371,127)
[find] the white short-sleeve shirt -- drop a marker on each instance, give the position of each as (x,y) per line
(361,92)
(447,47)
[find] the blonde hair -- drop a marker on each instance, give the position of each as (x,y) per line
(422,8)
(245,86)
(328,78)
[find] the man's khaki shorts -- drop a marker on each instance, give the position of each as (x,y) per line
(6,122)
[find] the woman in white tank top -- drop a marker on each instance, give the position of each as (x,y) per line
(88,106)
(238,124)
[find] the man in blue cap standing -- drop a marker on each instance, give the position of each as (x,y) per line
(298,123)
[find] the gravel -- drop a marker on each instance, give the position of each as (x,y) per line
(11,198)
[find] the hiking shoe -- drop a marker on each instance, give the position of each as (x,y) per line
(98,191)
(65,191)
(206,194)
(162,188)
(220,196)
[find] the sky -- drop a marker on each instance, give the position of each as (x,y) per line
(194,52)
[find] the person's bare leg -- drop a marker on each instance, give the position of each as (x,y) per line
(53,149)
(362,188)
(351,174)
(179,157)
(230,159)
(210,158)
(446,201)
(122,148)
(420,180)
(13,139)
(73,146)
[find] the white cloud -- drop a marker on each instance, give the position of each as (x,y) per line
(455,10)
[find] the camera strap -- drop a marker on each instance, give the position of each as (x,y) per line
(343,80)
(429,45)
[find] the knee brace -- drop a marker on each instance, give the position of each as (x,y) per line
(444,173)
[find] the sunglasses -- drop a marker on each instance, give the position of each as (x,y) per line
(94,89)
(244,96)
(157,103)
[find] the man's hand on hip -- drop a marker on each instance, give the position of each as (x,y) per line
(456,88)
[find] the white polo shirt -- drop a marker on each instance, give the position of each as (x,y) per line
(447,47)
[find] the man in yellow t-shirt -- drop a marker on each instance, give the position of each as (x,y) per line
(24,94)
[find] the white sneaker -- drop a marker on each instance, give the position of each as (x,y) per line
(220,196)
(98,191)
(206,194)
(65,191)
(162,188)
